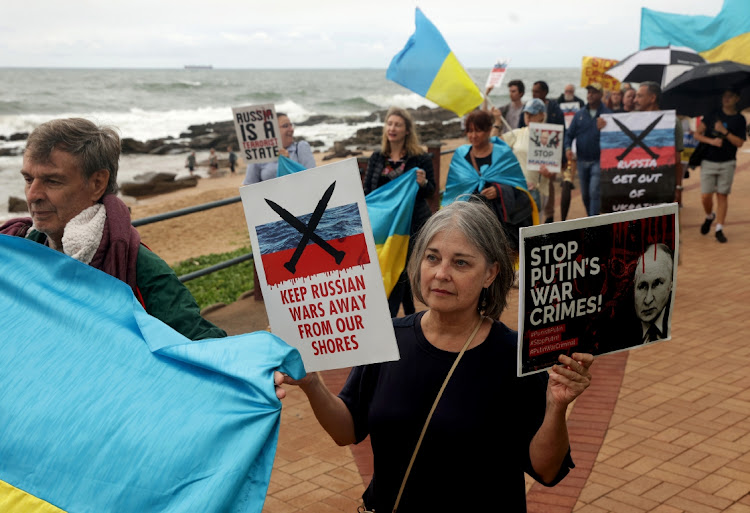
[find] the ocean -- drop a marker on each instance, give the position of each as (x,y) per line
(156,103)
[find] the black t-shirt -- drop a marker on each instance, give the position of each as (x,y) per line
(476,448)
(736,125)
(481,161)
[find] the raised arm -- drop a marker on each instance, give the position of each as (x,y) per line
(550,444)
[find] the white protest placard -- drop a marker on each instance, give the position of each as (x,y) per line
(545,146)
(258,134)
(497,73)
(317,265)
(569,110)
(596,285)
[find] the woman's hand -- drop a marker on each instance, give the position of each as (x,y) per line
(569,380)
(544,171)
(281,379)
(283,152)
(490,192)
(421,178)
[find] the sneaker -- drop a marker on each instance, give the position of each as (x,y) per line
(549,220)
(720,236)
(706,226)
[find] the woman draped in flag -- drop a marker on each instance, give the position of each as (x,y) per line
(488,169)
(401,152)
(460,457)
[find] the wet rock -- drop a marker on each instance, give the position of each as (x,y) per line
(153,183)
(17,204)
(19,136)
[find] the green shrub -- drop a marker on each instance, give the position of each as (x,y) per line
(223,286)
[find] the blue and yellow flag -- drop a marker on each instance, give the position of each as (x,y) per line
(105,408)
(723,38)
(428,67)
(390,209)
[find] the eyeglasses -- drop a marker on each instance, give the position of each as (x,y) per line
(287,125)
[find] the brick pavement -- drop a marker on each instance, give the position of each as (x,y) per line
(664,428)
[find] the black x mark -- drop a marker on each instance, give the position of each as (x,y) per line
(308,231)
(637,139)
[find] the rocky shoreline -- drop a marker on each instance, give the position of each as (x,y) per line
(434,125)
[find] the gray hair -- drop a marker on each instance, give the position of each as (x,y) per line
(95,147)
(480,226)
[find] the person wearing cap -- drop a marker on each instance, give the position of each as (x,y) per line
(585,129)
(534,111)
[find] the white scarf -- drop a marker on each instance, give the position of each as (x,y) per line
(83,234)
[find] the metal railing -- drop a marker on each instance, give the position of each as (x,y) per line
(236,199)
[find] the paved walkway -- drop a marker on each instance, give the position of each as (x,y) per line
(665,428)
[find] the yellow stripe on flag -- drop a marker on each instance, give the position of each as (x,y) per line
(453,88)
(735,49)
(18,501)
(392,259)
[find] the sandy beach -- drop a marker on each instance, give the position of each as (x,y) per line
(217,230)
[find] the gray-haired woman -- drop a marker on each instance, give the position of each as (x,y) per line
(461,269)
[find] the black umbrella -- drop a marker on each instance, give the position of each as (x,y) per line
(698,91)
(651,64)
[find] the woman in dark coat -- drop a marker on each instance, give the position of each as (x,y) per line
(400,152)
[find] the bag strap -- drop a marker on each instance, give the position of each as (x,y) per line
(432,410)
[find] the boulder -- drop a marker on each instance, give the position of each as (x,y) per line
(153,183)
(17,204)
(19,136)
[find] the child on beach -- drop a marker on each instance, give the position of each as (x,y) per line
(213,163)
(190,162)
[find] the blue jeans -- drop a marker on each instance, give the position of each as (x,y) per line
(589,174)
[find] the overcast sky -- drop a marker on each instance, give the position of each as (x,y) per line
(317,33)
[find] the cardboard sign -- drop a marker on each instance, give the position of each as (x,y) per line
(593,69)
(318,268)
(545,146)
(258,134)
(596,285)
(497,73)
(569,110)
(637,160)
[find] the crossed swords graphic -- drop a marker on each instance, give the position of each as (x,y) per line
(637,139)
(308,230)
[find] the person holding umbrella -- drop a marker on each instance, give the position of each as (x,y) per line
(723,132)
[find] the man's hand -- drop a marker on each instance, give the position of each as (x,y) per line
(600,123)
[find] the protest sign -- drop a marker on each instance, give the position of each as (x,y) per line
(596,285)
(569,110)
(593,69)
(258,134)
(545,146)
(318,268)
(637,160)
(497,73)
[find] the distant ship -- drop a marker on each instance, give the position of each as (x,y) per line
(198,66)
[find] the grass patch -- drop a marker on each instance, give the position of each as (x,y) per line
(223,286)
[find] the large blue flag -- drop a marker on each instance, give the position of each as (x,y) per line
(104,408)
(463,178)
(723,38)
(427,66)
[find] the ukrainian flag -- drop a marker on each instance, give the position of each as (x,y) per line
(107,409)
(390,209)
(428,67)
(723,38)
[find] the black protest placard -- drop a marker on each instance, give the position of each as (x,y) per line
(596,285)
(637,160)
